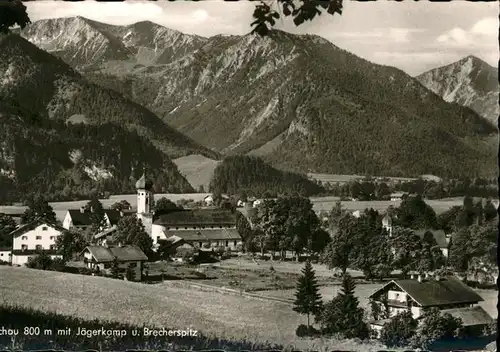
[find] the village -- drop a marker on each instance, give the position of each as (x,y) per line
(236,249)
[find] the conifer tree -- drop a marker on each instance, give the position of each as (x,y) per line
(307,297)
(115,269)
(343,314)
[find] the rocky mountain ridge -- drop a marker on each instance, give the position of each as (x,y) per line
(297,100)
(469,82)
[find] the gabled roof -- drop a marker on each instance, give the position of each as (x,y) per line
(125,253)
(80,218)
(206,235)
(470,316)
(31,225)
(430,292)
(106,232)
(439,236)
(197,217)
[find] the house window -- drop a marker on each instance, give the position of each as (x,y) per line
(38,237)
(227,243)
(24,237)
(1,254)
(168,228)
(185,228)
(45,228)
(52,237)
(39,247)
(52,247)
(200,244)
(24,247)
(107,265)
(235,243)
(133,265)
(157,238)
(194,227)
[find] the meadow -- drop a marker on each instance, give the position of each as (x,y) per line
(167,305)
(197,169)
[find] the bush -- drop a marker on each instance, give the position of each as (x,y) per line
(304,330)
(399,331)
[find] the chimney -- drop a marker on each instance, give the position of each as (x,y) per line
(419,278)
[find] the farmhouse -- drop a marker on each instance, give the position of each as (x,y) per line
(397,196)
(198,227)
(448,294)
(81,219)
(101,258)
(442,240)
(30,239)
(202,228)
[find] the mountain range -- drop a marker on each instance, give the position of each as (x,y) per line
(468,82)
(298,101)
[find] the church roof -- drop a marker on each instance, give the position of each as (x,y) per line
(205,234)
(197,217)
(144,183)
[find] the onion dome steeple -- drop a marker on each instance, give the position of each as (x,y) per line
(144,182)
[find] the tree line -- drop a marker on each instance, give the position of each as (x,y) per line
(253,177)
(370,189)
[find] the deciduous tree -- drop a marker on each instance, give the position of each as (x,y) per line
(12,13)
(38,208)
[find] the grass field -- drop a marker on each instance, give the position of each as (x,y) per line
(245,275)
(165,305)
(332,178)
(197,169)
(327,203)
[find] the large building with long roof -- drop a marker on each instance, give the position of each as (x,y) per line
(202,228)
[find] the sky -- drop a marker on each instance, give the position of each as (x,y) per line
(412,36)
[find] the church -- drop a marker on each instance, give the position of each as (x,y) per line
(205,228)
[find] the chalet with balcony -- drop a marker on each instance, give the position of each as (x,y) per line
(101,258)
(448,294)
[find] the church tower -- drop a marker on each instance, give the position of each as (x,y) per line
(145,197)
(145,202)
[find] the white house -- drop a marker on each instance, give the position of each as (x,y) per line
(81,219)
(5,254)
(257,202)
(38,235)
(240,203)
(209,200)
(387,224)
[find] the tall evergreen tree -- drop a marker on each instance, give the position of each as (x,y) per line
(343,314)
(307,297)
(115,269)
